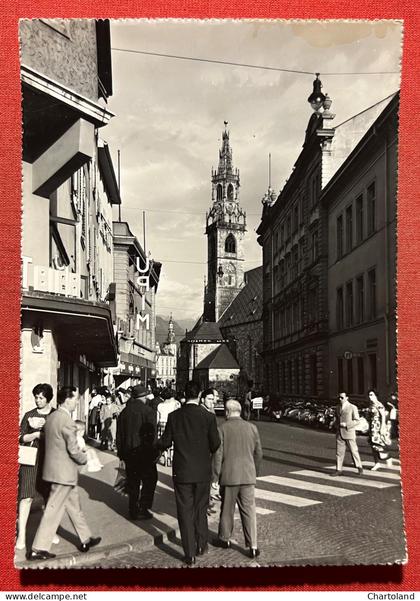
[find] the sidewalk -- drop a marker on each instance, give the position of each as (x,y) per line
(107,515)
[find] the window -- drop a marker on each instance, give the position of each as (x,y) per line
(360,299)
(295,218)
(349,304)
(349,376)
(297,378)
(312,305)
(372,293)
(373,371)
(219,191)
(289,376)
(340,374)
(276,241)
(230,192)
(349,228)
(230,244)
(295,258)
(359,219)
(340,308)
(339,237)
(295,316)
(301,260)
(288,227)
(371,208)
(282,234)
(360,375)
(315,245)
(314,375)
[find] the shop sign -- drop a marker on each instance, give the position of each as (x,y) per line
(45,279)
(143,283)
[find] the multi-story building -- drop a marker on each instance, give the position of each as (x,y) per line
(136,282)
(68,192)
(361,204)
(294,236)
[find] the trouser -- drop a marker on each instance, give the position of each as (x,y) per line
(192,501)
(144,473)
(341,451)
(244,495)
(62,498)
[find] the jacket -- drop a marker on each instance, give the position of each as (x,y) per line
(193,431)
(62,452)
(348,414)
(136,430)
(239,456)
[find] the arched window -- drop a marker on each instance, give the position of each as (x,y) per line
(219,191)
(230,244)
(230,192)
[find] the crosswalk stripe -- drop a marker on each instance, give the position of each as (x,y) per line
(259,510)
(310,486)
(278,497)
(360,481)
(396,468)
(378,474)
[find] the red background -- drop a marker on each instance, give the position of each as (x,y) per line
(328,578)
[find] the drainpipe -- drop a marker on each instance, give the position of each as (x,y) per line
(387,269)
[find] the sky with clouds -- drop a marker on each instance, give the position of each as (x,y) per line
(169,117)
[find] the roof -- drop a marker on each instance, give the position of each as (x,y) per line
(247,305)
(220,358)
(207,331)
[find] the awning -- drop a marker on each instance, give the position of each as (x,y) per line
(80,327)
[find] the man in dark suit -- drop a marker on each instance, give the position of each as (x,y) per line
(62,457)
(193,431)
(237,464)
(136,438)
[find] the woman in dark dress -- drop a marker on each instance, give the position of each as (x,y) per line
(30,476)
(379,432)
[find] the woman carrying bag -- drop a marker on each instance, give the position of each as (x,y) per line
(31,458)
(379,431)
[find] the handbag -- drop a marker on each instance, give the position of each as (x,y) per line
(27,455)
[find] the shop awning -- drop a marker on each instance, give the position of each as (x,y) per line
(80,327)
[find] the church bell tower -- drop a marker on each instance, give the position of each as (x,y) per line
(225,230)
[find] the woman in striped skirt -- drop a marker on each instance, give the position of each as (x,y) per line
(30,476)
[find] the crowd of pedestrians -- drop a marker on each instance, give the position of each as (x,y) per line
(210,461)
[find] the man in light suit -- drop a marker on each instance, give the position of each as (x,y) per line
(237,464)
(193,432)
(347,417)
(62,456)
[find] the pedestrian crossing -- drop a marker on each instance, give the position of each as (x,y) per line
(310,487)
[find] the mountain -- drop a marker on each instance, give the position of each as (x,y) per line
(179,328)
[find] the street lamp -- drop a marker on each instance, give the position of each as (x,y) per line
(317,98)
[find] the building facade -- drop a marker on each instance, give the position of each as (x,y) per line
(242,324)
(225,229)
(295,236)
(361,204)
(67,195)
(136,283)
(166,359)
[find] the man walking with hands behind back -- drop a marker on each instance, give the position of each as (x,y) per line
(193,431)
(62,456)
(237,464)
(347,417)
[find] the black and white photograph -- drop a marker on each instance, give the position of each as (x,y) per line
(208,310)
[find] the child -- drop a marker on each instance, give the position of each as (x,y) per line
(93,464)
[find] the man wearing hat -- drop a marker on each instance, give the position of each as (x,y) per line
(136,437)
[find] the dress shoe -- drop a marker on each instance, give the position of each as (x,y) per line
(144,514)
(92,542)
(202,550)
(336,473)
(40,555)
(223,544)
(253,553)
(190,561)
(375,467)
(360,469)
